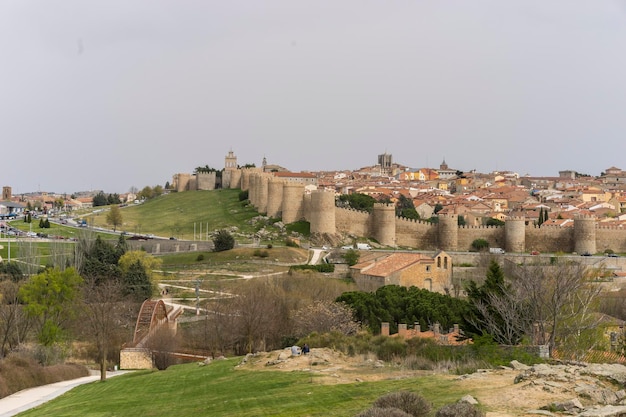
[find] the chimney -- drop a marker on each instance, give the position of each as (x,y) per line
(402,330)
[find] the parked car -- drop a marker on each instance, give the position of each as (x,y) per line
(535,252)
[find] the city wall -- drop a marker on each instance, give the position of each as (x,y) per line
(292,204)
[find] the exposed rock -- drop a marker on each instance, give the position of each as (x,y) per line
(606,411)
(469,399)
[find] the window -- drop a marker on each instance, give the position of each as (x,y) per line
(438,261)
(427,268)
(445,263)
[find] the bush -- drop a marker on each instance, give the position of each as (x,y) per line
(269,246)
(261,253)
(383,412)
(243,195)
(479,245)
(460,409)
(411,403)
(223,241)
(291,243)
(200,257)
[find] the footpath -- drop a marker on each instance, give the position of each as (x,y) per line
(32,397)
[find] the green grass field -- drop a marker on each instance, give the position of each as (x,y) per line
(176,214)
(219,389)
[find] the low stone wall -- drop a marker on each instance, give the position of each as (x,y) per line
(135,358)
(160,246)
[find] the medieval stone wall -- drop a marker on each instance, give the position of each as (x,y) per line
(206,180)
(289,201)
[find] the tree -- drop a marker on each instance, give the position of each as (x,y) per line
(136,282)
(497,311)
(461,221)
(114,217)
(358,201)
(438,208)
(325,317)
(493,222)
(148,262)
(351,257)
(101,309)
(480,244)
(49,297)
(14,323)
(100,199)
(223,241)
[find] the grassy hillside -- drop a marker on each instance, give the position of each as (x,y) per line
(219,389)
(175,214)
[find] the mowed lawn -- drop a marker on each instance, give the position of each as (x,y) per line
(176,214)
(219,389)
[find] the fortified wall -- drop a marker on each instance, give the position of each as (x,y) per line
(288,201)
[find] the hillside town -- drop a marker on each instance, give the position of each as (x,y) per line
(476,197)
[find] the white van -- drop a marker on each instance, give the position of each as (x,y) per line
(363,246)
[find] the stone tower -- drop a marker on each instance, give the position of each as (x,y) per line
(585,234)
(323,212)
(293,196)
(515,234)
(6,193)
(275,198)
(262,191)
(230,161)
(384,221)
(448,232)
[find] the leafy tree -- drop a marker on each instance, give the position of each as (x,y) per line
(494,222)
(167,185)
(11,271)
(223,241)
(480,244)
(403,204)
(410,213)
(114,217)
(352,257)
(147,261)
(438,208)
(157,190)
(99,259)
(100,199)
(358,201)
(49,298)
(395,304)
(113,199)
(136,282)
(461,221)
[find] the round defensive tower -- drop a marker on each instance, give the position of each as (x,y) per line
(262,187)
(293,195)
(585,234)
(322,212)
(384,224)
(275,198)
(245,179)
(235,178)
(448,232)
(252,189)
(515,234)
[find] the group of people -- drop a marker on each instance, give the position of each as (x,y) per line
(297,350)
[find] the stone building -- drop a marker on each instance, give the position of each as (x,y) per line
(433,273)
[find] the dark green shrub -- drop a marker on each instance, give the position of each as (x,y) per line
(391,347)
(409,402)
(243,195)
(270,246)
(223,241)
(479,245)
(460,409)
(200,257)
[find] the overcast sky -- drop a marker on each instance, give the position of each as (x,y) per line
(118,93)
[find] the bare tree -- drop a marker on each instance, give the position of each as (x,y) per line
(323,317)
(557,297)
(102,309)
(14,323)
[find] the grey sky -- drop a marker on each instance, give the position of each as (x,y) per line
(117,93)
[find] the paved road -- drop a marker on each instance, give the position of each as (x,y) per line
(32,397)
